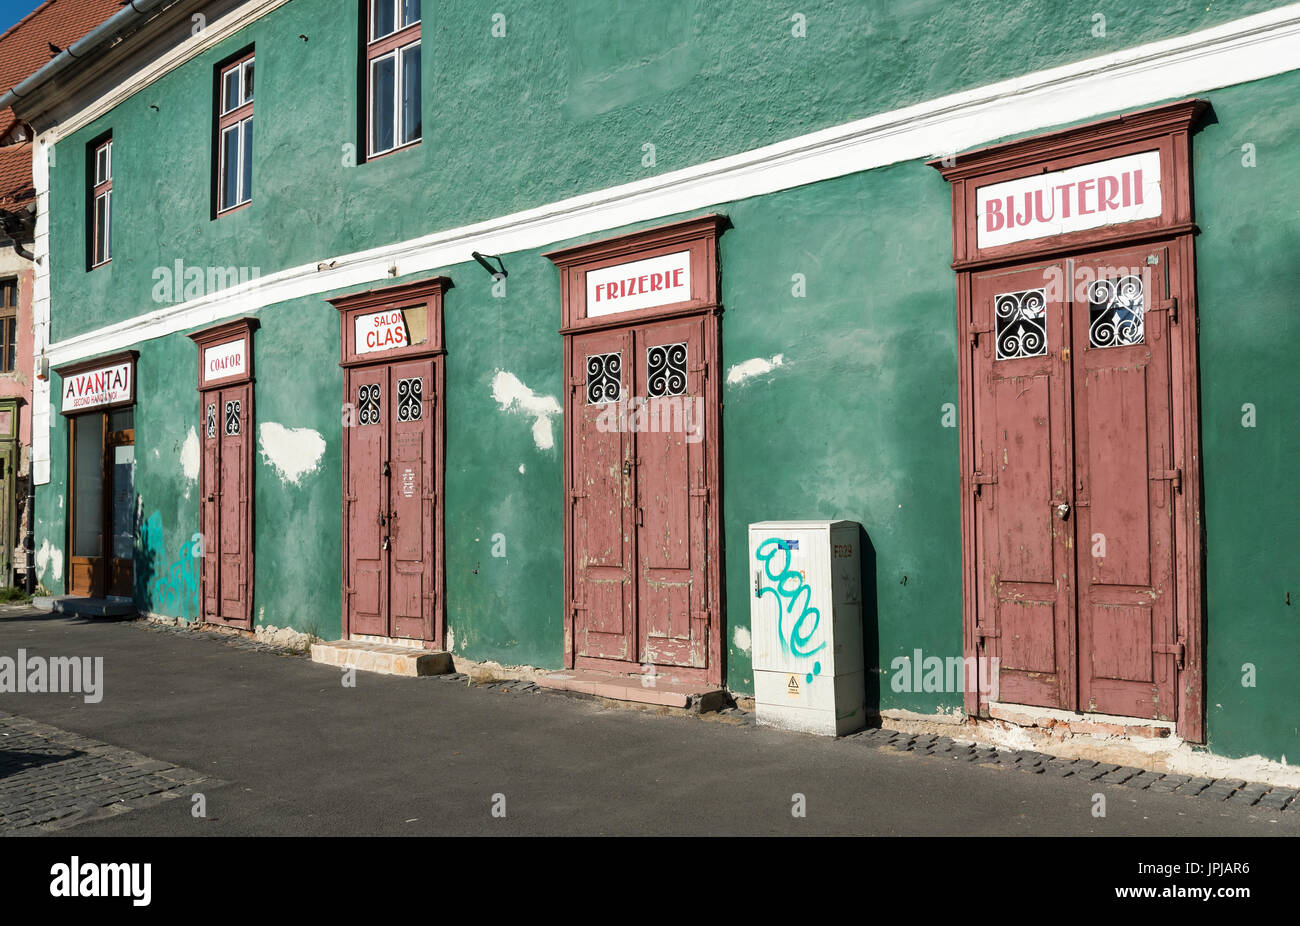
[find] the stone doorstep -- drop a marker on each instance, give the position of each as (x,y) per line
(383,658)
(90,607)
(662,690)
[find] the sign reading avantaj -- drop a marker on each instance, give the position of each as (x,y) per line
(1110,192)
(93,388)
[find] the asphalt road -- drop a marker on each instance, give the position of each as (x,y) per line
(303,755)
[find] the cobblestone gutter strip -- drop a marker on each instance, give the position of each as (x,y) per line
(50,778)
(229,637)
(1232,790)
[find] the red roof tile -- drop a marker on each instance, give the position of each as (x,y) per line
(24,49)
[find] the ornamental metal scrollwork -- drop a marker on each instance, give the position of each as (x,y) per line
(1116,311)
(604,378)
(666,366)
(232,418)
(368,403)
(212,420)
(1021,320)
(410,392)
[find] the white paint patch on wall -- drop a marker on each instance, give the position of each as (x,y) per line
(751,368)
(741,639)
(292,452)
(513,396)
(190,457)
(451,639)
(49,559)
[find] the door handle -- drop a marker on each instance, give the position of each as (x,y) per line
(383,521)
(1063,511)
(627,467)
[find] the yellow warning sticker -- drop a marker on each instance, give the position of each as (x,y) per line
(792,686)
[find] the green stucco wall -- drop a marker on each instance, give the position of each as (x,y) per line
(849,425)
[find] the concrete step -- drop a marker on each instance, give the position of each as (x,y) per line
(653,689)
(87,607)
(384,658)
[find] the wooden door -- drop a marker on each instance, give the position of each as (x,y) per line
(602,553)
(390,491)
(1125,481)
(410,477)
(366,502)
(1022,449)
(87,499)
(227,417)
(671,498)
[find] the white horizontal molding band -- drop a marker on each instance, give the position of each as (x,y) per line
(1246,49)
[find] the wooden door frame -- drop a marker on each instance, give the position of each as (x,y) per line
(217,336)
(99,582)
(429,294)
(1166,129)
(699,236)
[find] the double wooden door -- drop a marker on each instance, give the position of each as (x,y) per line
(390,495)
(1074,482)
(225,505)
(639,449)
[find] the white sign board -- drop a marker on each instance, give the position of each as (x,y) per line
(1111,192)
(381,331)
(642,284)
(94,388)
(225,360)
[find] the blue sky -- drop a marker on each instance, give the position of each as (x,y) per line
(13,10)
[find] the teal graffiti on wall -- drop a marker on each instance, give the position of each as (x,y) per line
(162,585)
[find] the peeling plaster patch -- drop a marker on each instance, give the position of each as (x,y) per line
(741,639)
(513,396)
(751,368)
(49,558)
(451,639)
(292,452)
(521,469)
(190,455)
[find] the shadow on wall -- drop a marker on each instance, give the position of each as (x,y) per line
(163,587)
(870,624)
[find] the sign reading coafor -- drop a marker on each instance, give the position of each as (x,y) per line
(224,360)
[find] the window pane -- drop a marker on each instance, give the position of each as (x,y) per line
(230,90)
(410,12)
(230,167)
(101,229)
(87,505)
(381,18)
(246,182)
(411,124)
(11,343)
(123,500)
(248,80)
(121,419)
(382,108)
(108,224)
(101,165)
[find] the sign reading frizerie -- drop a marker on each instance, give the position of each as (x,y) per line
(641,284)
(1110,192)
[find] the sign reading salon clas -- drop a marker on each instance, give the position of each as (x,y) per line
(1110,192)
(95,388)
(641,284)
(381,331)
(225,360)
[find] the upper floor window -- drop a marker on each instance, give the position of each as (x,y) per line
(101,203)
(392,74)
(8,325)
(235,134)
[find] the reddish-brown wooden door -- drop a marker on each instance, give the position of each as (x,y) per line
(389,494)
(640,468)
(1124,480)
(1072,450)
(1022,448)
(226,416)
(672,591)
(603,490)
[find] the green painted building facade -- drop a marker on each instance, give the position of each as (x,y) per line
(837,278)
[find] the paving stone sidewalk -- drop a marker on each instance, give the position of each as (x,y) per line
(50,778)
(1234,790)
